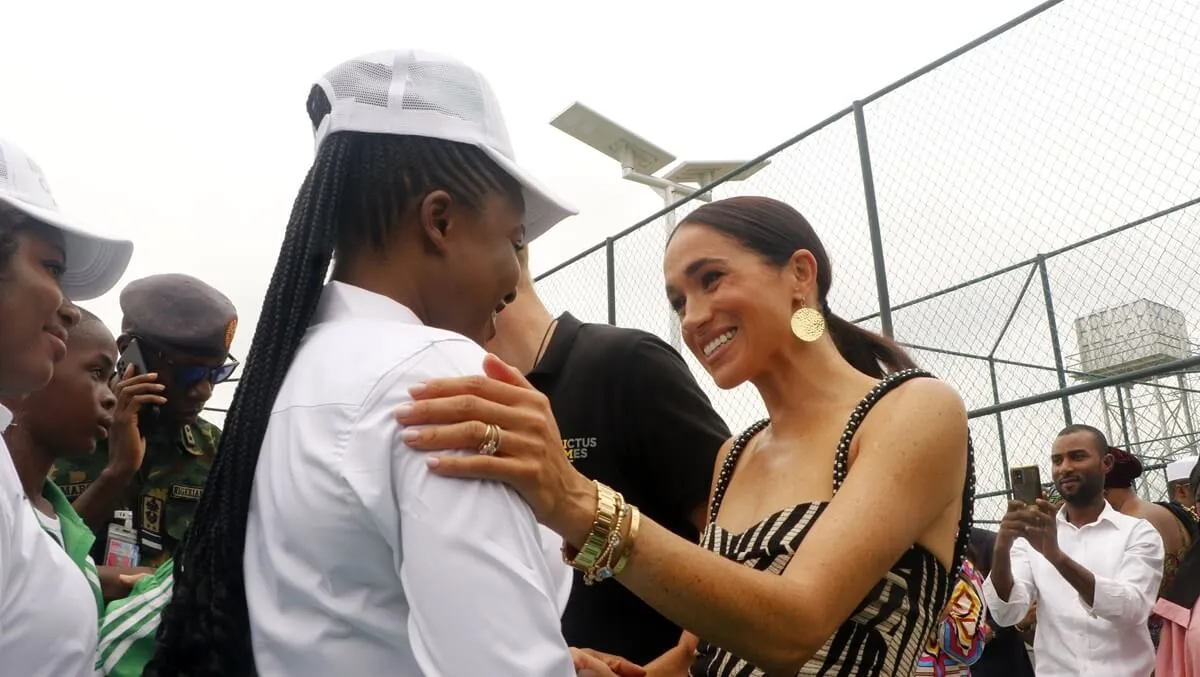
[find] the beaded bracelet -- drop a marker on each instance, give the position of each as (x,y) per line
(603,569)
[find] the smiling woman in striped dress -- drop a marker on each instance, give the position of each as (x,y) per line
(835,525)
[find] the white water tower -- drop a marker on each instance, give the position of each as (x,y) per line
(1153,418)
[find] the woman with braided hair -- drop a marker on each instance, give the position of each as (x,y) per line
(322,545)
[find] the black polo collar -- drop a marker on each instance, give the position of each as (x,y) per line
(559,349)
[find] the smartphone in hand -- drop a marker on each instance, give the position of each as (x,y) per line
(1026,484)
(131,356)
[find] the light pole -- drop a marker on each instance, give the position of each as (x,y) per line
(640,160)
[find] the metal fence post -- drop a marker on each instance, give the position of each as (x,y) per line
(610,267)
(1000,426)
(1052,322)
(881,285)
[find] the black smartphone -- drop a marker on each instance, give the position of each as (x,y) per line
(131,356)
(1026,484)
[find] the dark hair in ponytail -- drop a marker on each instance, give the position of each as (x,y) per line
(354,194)
(775,231)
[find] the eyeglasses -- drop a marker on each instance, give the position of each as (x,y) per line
(188,375)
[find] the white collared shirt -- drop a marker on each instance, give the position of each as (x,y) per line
(1110,637)
(48,616)
(358,560)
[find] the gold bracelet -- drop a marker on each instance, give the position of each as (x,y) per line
(602,570)
(634,525)
(608,506)
(607,512)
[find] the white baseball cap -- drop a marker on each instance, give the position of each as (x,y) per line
(411,92)
(1181,470)
(94,263)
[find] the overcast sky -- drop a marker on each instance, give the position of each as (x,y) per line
(1077,122)
(185,130)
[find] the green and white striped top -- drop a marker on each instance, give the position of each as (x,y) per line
(73,535)
(129,625)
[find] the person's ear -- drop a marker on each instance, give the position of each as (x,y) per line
(1107,462)
(801,268)
(436,216)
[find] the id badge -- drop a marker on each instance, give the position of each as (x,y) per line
(122,548)
(152,545)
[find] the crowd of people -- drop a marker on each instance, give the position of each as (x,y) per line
(425,472)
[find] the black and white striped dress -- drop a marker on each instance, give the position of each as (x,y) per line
(888,630)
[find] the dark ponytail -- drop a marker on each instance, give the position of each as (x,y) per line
(776,231)
(865,350)
(353,197)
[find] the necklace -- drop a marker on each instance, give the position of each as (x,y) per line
(545,340)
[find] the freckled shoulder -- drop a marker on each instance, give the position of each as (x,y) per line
(927,410)
(921,397)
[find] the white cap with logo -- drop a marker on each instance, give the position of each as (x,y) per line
(1181,469)
(412,92)
(94,263)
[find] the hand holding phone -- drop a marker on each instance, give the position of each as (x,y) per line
(131,356)
(1026,482)
(135,388)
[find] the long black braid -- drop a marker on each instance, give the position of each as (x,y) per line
(353,196)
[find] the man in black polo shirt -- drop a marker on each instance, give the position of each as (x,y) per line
(631,416)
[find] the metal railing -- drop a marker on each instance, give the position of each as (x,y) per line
(1063,140)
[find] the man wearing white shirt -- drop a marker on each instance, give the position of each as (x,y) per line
(1093,572)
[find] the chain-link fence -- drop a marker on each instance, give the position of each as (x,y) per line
(1023,214)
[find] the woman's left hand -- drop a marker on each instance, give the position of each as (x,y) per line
(454,413)
(588,658)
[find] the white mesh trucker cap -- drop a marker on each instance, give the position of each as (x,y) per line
(418,93)
(94,263)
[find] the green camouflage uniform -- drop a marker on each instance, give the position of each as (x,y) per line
(163,495)
(186,316)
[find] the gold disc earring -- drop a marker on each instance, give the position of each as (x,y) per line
(808,324)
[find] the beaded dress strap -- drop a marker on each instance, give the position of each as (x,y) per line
(843,450)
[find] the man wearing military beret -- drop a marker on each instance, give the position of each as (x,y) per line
(178,329)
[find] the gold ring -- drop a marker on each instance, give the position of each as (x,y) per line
(491,440)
